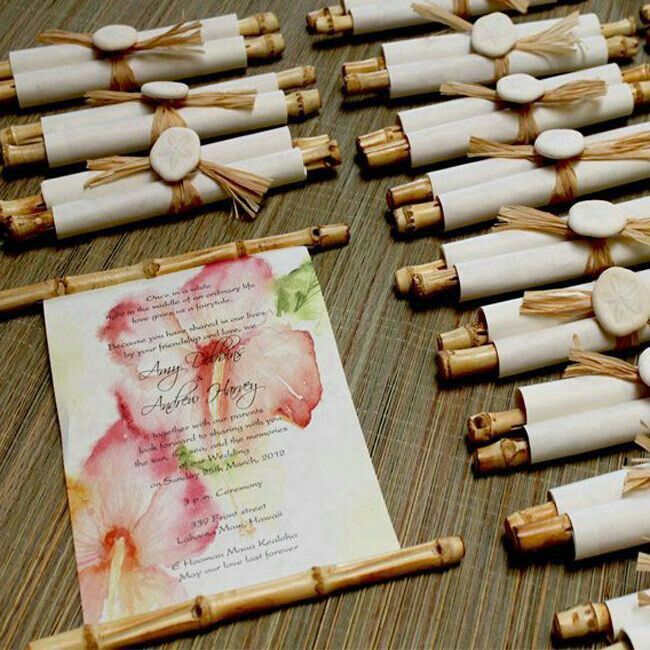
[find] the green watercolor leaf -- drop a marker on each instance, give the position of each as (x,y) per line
(298,294)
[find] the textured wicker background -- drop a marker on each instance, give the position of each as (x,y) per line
(414,427)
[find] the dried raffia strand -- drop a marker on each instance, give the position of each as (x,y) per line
(574,91)
(637,479)
(557,39)
(477,91)
(560,303)
(643,597)
(587,363)
(437,14)
(179,37)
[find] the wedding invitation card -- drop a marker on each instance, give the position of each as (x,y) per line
(209,436)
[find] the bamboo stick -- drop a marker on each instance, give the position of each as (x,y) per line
(404,276)
(644,14)
(299,77)
(260,23)
(639,72)
(316,238)
(467,336)
(313,16)
(417,191)
(504,455)
(268,46)
(626,27)
(303,103)
(582,621)
(430,281)
(379,138)
(378,81)
(364,65)
(206,611)
(542,512)
(541,535)
(7,91)
(18,155)
(455,364)
(5,70)
(331,24)
(419,216)
(485,427)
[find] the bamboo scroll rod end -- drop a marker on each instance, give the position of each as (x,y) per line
(366,83)
(432,282)
(404,276)
(644,14)
(622,47)
(417,191)
(5,70)
(330,236)
(7,91)
(467,336)
(455,364)
(364,65)
(637,73)
(332,24)
(313,16)
(542,512)
(625,27)
(412,218)
(303,103)
(641,92)
(485,427)
(379,138)
(300,77)
(16,155)
(582,621)
(72,640)
(501,456)
(23,133)
(542,535)
(6,137)
(269,46)
(257,24)
(20,227)
(387,155)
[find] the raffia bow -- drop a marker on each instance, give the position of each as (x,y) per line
(245,189)
(184,36)
(586,363)
(569,93)
(631,147)
(166,112)
(521,217)
(557,39)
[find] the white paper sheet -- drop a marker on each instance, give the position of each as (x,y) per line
(638,635)
(625,613)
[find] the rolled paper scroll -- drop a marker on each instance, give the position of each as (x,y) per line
(211,114)
(634,637)
(207,611)
(607,159)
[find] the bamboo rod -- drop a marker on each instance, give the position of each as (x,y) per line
(303,103)
(542,512)
(417,191)
(585,620)
(625,27)
(5,70)
(331,24)
(393,153)
(316,238)
(268,46)
(622,47)
(485,427)
(313,16)
(404,276)
(641,92)
(364,65)
(419,216)
(467,336)
(25,133)
(261,23)
(378,138)
(644,13)
(637,73)
(541,535)
(455,364)
(504,455)
(434,282)
(206,611)
(17,155)
(26,205)
(7,91)
(304,75)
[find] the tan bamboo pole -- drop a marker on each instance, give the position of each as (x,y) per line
(331,24)
(542,512)
(504,455)
(418,216)
(485,427)
(378,81)
(466,336)
(207,611)
(300,105)
(364,65)
(588,619)
(315,237)
(455,364)
(380,137)
(313,16)
(404,275)
(298,77)
(5,70)
(541,535)
(417,191)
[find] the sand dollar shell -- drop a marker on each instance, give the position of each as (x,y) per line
(560,144)
(493,35)
(114,38)
(598,219)
(176,153)
(165,90)
(519,88)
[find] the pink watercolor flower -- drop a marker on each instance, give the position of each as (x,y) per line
(131,524)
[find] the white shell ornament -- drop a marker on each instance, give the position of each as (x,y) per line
(114,38)
(598,219)
(560,144)
(644,366)
(175,154)
(519,88)
(621,302)
(165,90)
(493,35)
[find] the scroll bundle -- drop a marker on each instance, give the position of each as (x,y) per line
(561,166)
(119,58)
(367,17)
(602,402)
(120,190)
(544,249)
(528,107)
(518,337)
(492,48)
(123,122)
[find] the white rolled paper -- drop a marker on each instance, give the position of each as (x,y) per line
(153,199)
(65,189)
(128,136)
(101,115)
(639,635)
(610,527)
(625,612)
(580,433)
(53,56)
(411,79)
(474,204)
(447,141)
(425,117)
(416,50)
(554,399)
(508,241)
(71,81)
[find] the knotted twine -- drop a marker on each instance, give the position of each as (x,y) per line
(166,113)
(557,39)
(564,95)
(521,217)
(184,37)
(245,189)
(631,147)
(461,7)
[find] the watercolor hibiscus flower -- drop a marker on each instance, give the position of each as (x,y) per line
(133,522)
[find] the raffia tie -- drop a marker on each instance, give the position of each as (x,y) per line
(586,363)
(632,147)
(521,217)
(245,189)
(557,39)
(184,36)
(166,112)
(564,95)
